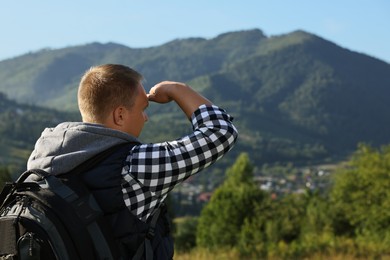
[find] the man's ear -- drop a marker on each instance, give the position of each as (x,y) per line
(118,115)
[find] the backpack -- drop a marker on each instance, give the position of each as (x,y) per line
(43,217)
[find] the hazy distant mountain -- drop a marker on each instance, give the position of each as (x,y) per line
(295,97)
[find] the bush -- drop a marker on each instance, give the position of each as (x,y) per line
(185,235)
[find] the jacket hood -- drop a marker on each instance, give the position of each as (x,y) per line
(62,148)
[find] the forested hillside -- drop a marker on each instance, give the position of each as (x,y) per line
(20,126)
(295,97)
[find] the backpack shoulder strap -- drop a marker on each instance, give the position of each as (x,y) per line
(90,206)
(146,247)
(92,162)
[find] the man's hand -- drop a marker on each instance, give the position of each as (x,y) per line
(187,99)
(161,92)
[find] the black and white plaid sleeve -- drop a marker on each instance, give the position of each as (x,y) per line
(152,170)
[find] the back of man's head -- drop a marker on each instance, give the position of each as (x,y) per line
(105,87)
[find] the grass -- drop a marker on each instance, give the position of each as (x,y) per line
(204,254)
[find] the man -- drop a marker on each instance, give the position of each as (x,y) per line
(136,180)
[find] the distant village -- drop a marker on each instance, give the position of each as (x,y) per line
(191,196)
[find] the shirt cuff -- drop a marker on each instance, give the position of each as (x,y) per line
(207,113)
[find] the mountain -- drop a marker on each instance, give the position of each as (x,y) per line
(327,97)
(50,77)
(295,97)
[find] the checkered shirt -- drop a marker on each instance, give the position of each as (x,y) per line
(152,170)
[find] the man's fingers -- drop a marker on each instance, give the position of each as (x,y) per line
(151,97)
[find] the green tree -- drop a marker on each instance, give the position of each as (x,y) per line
(360,197)
(232,203)
(286,223)
(275,222)
(253,235)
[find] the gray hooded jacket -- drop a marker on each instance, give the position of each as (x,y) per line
(69,144)
(62,148)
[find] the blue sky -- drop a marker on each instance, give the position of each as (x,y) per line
(359,25)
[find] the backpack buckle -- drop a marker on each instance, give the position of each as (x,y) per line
(151,233)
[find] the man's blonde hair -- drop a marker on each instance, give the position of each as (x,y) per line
(103,88)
